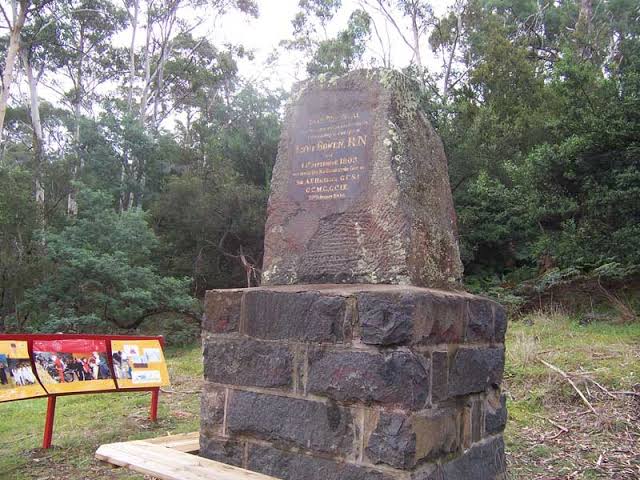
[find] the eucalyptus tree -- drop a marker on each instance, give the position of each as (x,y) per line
(15,14)
(83,61)
(325,53)
(148,87)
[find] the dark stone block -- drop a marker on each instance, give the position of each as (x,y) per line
(437,433)
(500,323)
(495,415)
(222,450)
(441,319)
(479,320)
(476,421)
(298,466)
(412,317)
(247,362)
(474,370)
(485,461)
(289,421)
(404,440)
(392,442)
(386,319)
(439,376)
(397,378)
(222,311)
(211,409)
(304,316)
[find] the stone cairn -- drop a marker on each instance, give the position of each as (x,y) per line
(346,364)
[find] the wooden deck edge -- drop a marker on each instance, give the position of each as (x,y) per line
(166,458)
(183,442)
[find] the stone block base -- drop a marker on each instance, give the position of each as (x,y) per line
(354,382)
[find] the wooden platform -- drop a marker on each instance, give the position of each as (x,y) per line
(168,458)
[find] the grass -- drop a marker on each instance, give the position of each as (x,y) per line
(551,433)
(83,422)
(592,447)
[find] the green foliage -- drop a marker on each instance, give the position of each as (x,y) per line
(340,54)
(542,141)
(103,278)
(20,240)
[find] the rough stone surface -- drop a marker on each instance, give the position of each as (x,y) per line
(297,466)
(222,450)
(495,414)
(386,319)
(439,376)
(441,321)
(472,423)
(222,311)
(437,433)
(247,362)
(479,321)
(500,322)
(485,461)
(411,317)
(303,316)
(404,440)
(475,369)
(287,421)
(360,190)
(393,441)
(212,403)
(396,378)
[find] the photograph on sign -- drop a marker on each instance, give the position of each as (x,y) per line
(17,380)
(139,363)
(73,365)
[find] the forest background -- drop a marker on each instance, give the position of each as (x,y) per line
(135,176)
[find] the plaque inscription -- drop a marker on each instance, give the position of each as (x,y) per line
(330,152)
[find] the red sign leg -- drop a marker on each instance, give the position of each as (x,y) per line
(48,426)
(155,393)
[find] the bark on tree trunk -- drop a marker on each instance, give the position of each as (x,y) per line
(416,39)
(12,53)
(38,142)
(72,203)
(132,55)
(144,99)
(447,76)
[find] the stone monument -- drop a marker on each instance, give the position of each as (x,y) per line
(347,364)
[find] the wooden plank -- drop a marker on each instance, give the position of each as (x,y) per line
(183,442)
(169,464)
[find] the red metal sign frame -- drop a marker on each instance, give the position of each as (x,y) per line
(51,398)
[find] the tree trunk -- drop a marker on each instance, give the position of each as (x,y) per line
(144,99)
(447,75)
(12,53)
(123,202)
(72,203)
(38,141)
(416,39)
(132,55)
(584,27)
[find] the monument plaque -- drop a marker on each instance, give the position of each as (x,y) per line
(331,149)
